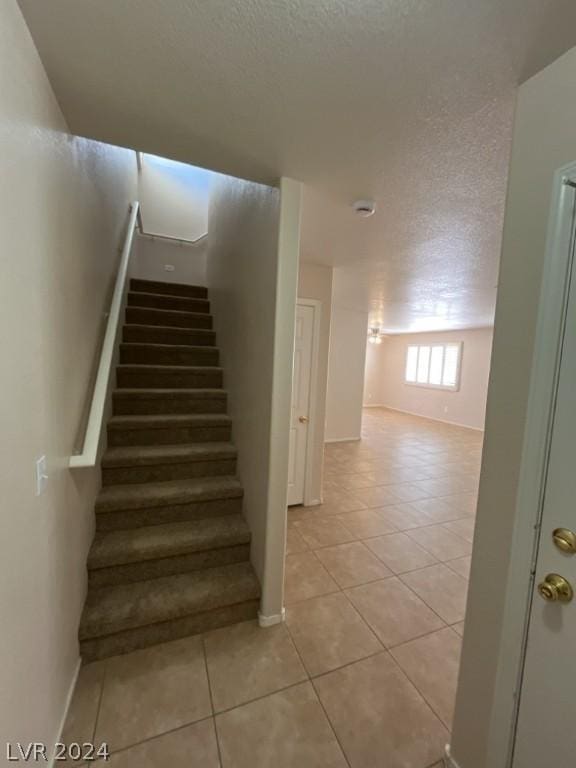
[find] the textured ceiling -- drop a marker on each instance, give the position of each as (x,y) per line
(406,101)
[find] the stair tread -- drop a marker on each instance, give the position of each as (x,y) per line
(153,542)
(128,606)
(171,328)
(160,310)
(158,367)
(158,420)
(142,495)
(206,392)
(156,345)
(165,283)
(132,292)
(142,455)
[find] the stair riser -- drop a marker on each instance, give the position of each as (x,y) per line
(169,435)
(169,379)
(143,637)
(172,289)
(119,520)
(130,355)
(165,406)
(148,316)
(169,566)
(160,472)
(168,302)
(141,334)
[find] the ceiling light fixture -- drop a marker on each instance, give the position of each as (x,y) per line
(375,335)
(364,208)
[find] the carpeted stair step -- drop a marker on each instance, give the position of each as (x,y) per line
(167,317)
(168,354)
(170,557)
(135,505)
(122,557)
(157,463)
(169,429)
(122,618)
(142,401)
(157,334)
(159,301)
(172,289)
(136,376)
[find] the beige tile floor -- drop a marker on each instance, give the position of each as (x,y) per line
(363,673)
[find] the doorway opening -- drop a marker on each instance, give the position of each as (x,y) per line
(383,562)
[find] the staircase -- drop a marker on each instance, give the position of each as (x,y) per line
(171,553)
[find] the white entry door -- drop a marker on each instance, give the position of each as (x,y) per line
(301,385)
(546,728)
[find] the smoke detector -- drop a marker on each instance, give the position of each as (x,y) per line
(364,208)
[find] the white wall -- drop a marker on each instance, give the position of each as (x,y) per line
(63,207)
(151,256)
(544,140)
(174,197)
(315,282)
(347,360)
(384,381)
(243,272)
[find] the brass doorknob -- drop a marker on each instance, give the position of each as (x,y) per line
(555,589)
(303,419)
(565,540)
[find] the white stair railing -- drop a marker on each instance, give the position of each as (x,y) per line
(89,455)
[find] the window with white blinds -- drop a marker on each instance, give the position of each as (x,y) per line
(434,365)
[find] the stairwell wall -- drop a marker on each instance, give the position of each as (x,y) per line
(252,268)
(188,261)
(63,210)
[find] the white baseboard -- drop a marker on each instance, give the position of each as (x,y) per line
(342,439)
(270,621)
(313,503)
(374,405)
(449,761)
(433,418)
(69,695)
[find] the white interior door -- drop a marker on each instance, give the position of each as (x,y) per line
(546,728)
(301,384)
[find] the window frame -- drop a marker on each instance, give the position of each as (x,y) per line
(443,387)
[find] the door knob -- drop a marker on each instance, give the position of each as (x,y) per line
(303,419)
(565,540)
(555,589)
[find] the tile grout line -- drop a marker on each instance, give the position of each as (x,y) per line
(447,623)
(421,694)
(311,680)
(263,696)
(100,697)
(386,648)
(205,657)
(181,727)
(316,515)
(393,575)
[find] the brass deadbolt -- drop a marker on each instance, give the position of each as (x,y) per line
(565,540)
(555,589)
